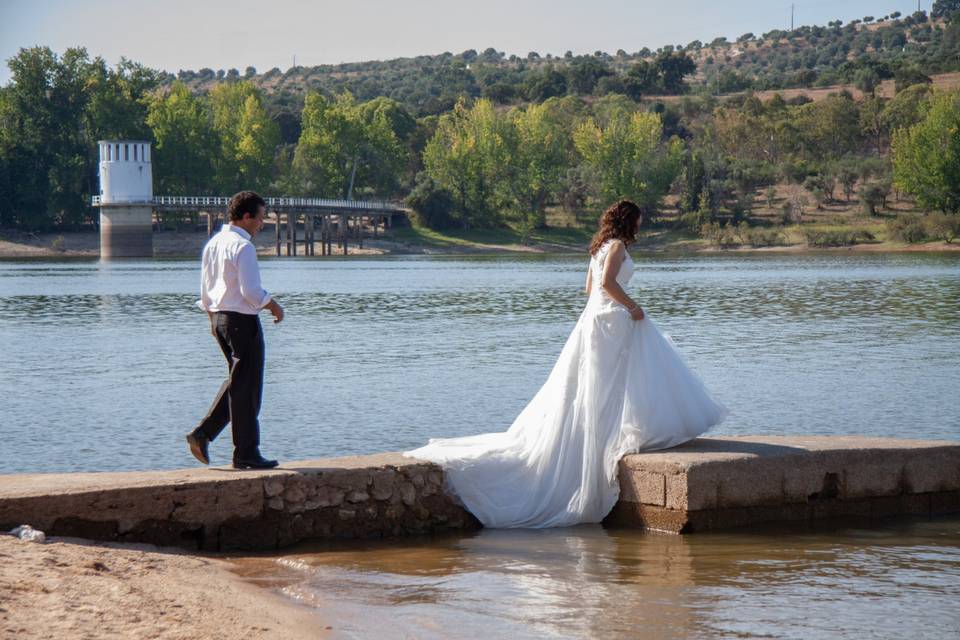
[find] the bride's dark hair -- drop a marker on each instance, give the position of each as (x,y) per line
(618,222)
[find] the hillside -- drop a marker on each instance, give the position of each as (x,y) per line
(862,53)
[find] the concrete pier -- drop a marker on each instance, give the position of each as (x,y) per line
(715,483)
(126,231)
(709,483)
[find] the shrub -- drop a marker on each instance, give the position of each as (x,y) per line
(432,205)
(770,195)
(693,220)
(907,228)
(761,236)
(720,236)
(942,226)
(58,244)
(841,238)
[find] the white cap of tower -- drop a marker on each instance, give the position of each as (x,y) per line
(126,174)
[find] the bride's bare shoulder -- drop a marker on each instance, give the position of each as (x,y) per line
(615,245)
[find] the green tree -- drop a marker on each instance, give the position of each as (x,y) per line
(926,156)
(346,146)
(468,156)
(538,161)
(182,158)
(829,128)
(246,135)
(42,138)
(627,155)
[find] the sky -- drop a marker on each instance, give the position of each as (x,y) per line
(192,34)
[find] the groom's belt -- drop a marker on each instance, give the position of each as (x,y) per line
(238,314)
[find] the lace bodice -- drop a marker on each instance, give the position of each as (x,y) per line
(596,268)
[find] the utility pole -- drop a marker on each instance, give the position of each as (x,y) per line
(791,15)
(294,61)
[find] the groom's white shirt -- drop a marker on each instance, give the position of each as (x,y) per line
(230,277)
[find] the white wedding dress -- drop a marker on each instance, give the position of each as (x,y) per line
(619,386)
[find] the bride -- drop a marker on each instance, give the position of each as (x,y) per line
(619,386)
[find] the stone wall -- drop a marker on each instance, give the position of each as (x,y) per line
(713,483)
(705,484)
(221,509)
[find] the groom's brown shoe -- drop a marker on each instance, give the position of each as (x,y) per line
(198,447)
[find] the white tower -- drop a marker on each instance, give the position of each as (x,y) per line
(126,199)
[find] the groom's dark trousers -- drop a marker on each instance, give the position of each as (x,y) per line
(240,337)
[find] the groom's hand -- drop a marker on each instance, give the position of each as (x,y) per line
(276,310)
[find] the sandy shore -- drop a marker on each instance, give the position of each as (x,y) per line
(82,244)
(19,245)
(72,588)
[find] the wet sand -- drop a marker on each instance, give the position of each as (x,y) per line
(73,588)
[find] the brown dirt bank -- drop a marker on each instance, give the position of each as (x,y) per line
(20,245)
(73,588)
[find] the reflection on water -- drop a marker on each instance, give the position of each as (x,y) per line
(382,354)
(897,580)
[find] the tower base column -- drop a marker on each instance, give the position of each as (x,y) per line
(126,231)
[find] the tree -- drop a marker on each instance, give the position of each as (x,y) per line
(538,161)
(867,80)
(431,203)
(926,156)
(829,128)
(908,76)
(182,158)
(467,156)
(246,135)
(904,110)
(627,155)
(53,112)
(692,179)
(945,8)
(547,84)
(584,73)
(347,146)
(672,69)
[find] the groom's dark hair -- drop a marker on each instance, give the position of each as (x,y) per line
(245,202)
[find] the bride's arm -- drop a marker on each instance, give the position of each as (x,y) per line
(611,267)
(589,287)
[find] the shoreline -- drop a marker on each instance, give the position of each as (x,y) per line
(69,586)
(171,244)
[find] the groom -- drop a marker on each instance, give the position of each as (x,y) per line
(231,294)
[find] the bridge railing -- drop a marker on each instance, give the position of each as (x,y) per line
(283,202)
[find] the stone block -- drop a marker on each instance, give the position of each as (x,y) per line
(694,490)
(384,484)
(936,470)
(868,474)
(811,478)
(272,488)
(635,515)
(408,494)
(358,496)
(748,483)
(641,486)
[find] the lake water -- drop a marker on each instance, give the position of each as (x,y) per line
(898,579)
(108,365)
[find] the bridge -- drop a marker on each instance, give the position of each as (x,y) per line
(337,220)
